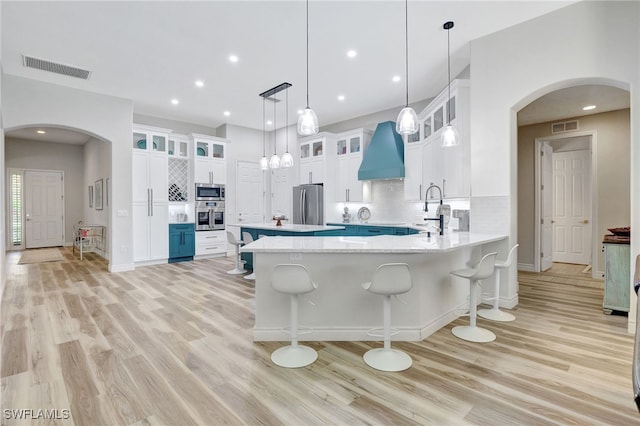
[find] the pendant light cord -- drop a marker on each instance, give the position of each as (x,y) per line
(264,130)
(406,49)
(286,117)
(449,76)
(275,126)
(307,53)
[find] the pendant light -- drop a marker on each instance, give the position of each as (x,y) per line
(264,161)
(407,121)
(274,161)
(287,158)
(308,121)
(449,135)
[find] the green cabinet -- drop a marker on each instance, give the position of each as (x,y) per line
(182,242)
(617,276)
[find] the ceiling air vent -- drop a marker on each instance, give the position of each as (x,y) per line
(44,65)
(565,126)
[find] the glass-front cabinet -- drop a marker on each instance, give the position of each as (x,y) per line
(350,147)
(426,161)
(150,140)
(312,158)
(178,146)
(209,165)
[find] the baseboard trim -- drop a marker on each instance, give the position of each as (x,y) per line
(123,267)
(526,267)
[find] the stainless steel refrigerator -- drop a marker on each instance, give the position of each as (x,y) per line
(308,204)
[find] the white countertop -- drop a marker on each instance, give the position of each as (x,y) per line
(417,243)
(291,227)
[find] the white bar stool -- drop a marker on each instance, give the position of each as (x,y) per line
(484,270)
(293,280)
(495,314)
(247,238)
(389,279)
(239,269)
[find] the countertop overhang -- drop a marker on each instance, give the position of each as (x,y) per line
(417,243)
(291,227)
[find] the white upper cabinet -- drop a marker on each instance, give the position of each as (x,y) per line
(446,167)
(209,164)
(179,146)
(312,158)
(349,148)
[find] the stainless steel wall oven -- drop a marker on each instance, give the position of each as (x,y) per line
(210,215)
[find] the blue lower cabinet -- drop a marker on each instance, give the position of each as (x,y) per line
(182,242)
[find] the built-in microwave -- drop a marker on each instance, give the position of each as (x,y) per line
(209,192)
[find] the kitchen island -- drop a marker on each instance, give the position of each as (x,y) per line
(342,310)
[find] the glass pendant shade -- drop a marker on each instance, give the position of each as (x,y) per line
(407,121)
(264,163)
(450,136)
(307,122)
(286,160)
(274,162)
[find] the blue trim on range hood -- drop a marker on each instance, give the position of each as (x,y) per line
(384,157)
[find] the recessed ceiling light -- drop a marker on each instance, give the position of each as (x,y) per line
(352,53)
(341,98)
(199,83)
(226,113)
(42,132)
(396,78)
(269,123)
(175,101)
(588,107)
(233,58)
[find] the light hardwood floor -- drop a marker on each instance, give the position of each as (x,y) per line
(172,344)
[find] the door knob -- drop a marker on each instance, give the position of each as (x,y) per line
(585,221)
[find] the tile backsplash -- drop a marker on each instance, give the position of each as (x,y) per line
(388,205)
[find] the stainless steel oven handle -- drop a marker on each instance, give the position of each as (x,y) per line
(211,218)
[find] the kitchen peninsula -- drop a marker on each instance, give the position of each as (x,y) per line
(342,310)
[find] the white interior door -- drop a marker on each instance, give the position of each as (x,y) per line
(281,191)
(249,193)
(546,201)
(43,209)
(571,210)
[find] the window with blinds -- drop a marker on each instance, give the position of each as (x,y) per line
(16,209)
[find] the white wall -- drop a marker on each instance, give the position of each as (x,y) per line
(38,155)
(29,103)
(245,145)
(587,42)
(97,165)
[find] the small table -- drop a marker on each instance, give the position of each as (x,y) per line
(88,238)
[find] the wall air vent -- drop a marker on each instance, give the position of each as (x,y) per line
(565,126)
(45,65)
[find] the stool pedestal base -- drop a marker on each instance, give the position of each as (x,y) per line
(494,314)
(473,334)
(294,356)
(387,359)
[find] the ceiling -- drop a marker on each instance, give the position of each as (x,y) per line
(153,51)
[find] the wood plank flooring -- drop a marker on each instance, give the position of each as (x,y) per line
(172,345)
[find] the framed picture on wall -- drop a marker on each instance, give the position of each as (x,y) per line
(90,196)
(98,191)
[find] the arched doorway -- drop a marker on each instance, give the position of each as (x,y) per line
(553,117)
(80,158)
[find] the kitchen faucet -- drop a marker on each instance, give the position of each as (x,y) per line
(440,217)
